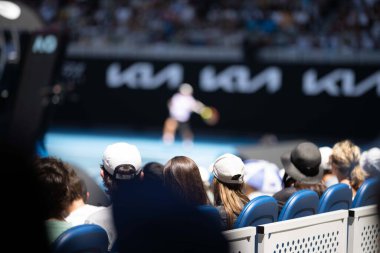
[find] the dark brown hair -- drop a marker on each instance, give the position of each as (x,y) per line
(55,178)
(79,189)
(154,172)
(182,177)
(319,188)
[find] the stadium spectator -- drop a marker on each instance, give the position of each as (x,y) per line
(121,165)
(150,218)
(79,210)
(25,207)
(154,171)
(345,25)
(370,162)
(55,178)
(328,177)
(302,171)
(182,177)
(345,165)
(261,178)
(228,183)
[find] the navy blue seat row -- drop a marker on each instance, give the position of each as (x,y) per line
(82,238)
(263,209)
(259,211)
(367,194)
(336,197)
(339,196)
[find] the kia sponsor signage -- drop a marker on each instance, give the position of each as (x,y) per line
(142,75)
(340,83)
(320,99)
(238,79)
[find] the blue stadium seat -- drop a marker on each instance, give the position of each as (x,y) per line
(336,197)
(301,203)
(82,238)
(367,193)
(258,211)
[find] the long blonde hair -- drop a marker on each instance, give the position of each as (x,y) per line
(358,175)
(345,159)
(231,197)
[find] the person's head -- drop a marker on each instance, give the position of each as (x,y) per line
(79,190)
(370,162)
(55,178)
(344,158)
(156,220)
(228,171)
(302,164)
(186,89)
(153,172)
(328,177)
(261,176)
(182,177)
(79,194)
(325,158)
(121,163)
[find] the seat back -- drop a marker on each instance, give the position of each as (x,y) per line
(367,193)
(301,203)
(260,210)
(336,197)
(82,238)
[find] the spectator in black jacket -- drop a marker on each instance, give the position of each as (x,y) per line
(302,171)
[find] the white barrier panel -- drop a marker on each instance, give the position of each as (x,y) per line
(325,232)
(363,230)
(241,240)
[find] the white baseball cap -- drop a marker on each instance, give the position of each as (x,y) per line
(229,169)
(121,153)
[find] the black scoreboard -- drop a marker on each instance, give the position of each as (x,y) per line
(40,64)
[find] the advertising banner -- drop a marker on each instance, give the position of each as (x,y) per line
(278,98)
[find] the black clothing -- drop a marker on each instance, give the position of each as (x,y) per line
(283,196)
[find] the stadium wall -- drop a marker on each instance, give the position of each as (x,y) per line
(327,99)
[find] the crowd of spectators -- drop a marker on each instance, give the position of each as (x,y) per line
(154,206)
(326,24)
(168,195)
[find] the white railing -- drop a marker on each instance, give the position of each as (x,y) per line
(241,240)
(363,230)
(325,232)
(352,231)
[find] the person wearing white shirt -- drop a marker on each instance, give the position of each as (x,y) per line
(181,106)
(79,210)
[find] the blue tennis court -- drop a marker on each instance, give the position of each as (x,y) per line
(84,147)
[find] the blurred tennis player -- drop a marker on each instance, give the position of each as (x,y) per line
(181,106)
